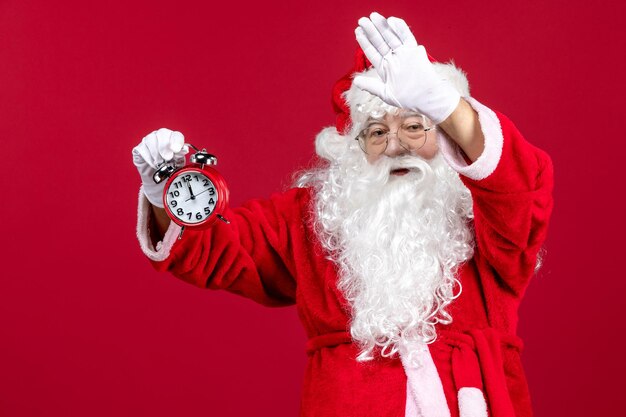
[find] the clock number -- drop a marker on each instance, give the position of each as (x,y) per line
(211,191)
(174,193)
(178,184)
(180,211)
(174,203)
(187,178)
(207,211)
(206,182)
(198,216)
(196,177)
(211,201)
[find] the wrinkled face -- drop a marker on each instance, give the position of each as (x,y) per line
(406,133)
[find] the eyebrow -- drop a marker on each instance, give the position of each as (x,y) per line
(411,114)
(405,115)
(372,122)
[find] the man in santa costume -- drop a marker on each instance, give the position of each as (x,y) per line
(407,252)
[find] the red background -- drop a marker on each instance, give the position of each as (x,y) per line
(87,328)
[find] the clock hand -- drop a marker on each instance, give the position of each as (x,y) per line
(193,197)
(197,194)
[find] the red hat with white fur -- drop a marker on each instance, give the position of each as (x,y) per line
(346,97)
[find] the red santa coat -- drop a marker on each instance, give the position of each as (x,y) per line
(270,253)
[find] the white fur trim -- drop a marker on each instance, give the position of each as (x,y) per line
(425,396)
(162,250)
(488,160)
(472,402)
(330,145)
(411,409)
(455,75)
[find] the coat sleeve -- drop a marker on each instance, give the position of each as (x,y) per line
(511,185)
(251,256)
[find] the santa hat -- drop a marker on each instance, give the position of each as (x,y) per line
(353,105)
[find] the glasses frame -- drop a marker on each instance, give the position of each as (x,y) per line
(360,135)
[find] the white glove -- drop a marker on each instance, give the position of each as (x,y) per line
(160,146)
(407,78)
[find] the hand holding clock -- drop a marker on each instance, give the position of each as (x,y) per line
(163,152)
(156,148)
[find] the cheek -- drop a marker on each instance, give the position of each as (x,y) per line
(430,148)
(371,159)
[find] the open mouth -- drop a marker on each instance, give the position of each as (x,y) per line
(400,171)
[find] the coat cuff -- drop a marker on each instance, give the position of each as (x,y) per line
(162,250)
(488,160)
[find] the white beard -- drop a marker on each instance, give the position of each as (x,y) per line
(398,242)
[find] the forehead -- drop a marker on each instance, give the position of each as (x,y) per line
(399,116)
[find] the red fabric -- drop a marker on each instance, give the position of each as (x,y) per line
(488,348)
(270,254)
(327,340)
(361,63)
(465,367)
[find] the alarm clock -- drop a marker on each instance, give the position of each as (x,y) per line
(195,196)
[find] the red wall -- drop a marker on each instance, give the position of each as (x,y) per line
(87,328)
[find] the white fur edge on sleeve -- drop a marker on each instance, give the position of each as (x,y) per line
(488,160)
(162,250)
(472,402)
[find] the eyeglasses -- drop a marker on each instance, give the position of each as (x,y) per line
(374,139)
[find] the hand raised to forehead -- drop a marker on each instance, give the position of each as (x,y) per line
(406,78)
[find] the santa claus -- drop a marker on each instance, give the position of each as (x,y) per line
(421,231)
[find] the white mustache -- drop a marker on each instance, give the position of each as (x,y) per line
(408,162)
(420,171)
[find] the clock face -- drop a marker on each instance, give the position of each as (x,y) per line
(191,197)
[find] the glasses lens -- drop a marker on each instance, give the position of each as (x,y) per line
(362,144)
(412,133)
(373,140)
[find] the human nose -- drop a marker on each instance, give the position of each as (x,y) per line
(394,145)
